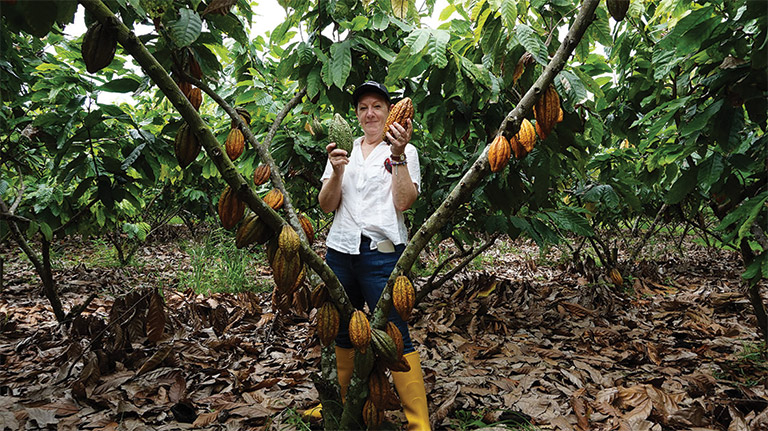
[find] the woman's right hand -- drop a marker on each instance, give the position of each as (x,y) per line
(338,157)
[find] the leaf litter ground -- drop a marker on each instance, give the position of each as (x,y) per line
(514,343)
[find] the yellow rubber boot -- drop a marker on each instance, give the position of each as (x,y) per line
(410,387)
(345,365)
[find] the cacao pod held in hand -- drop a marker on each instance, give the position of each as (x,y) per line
(340,133)
(400,113)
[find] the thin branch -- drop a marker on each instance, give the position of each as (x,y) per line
(648,233)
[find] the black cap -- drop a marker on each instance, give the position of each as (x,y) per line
(370,87)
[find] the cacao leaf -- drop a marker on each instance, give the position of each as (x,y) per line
(162,352)
(187,28)
(508,10)
(400,8)
(382,51)
(438,45)
(221,7)
(155,318)
(340,63)
(532,43)
(684,185)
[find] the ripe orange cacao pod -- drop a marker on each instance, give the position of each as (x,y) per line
(235,144)
(615,277)
(98,48)
(522,143)
(546,111)
(186,146)
(617,8)
(261,174)
(286,271)
(397,337)
(289,241)
(231,208)
(372,416)
(327,323)
(498,153)
(309,231)
(252,231)
(359,331)
(195,97)
(274,198)
(400,112)
(403,297)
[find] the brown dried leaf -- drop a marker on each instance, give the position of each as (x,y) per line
(155,318)
(205,419)
(178,389)
(162,352)
(219,7)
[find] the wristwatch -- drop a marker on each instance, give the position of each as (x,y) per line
(400,158)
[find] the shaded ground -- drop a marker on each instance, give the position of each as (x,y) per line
(520,341)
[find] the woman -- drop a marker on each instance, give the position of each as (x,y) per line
(369,189)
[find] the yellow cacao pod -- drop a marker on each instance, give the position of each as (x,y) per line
(360,331)
(546,111)
(289,241)
(286,271)
(309,231)
(403,297)
(400,112)
(372,416)
(195,97)
(274,199)
(498,153)
(327,323)
(235,144)
(615,277)
(186,146)
(526,136)
(231,208)
(98,48)
(261,174)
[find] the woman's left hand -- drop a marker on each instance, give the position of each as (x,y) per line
(399,137)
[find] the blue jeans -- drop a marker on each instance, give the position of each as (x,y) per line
(364,277)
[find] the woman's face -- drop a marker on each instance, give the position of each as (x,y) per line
(372,112)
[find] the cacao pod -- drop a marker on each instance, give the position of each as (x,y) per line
(400,113)
(244,114)
(380,391)
(194,67)
(319,295)
(403,297)
(261,174)
(617,8)
(98,48)
(309,231)
(498,153)
(300,280)
(327,323)
(359,331)
(546,111)
(231,208)
(522,143)
(289,241)
(235,144)
(252,231)
(274,199)
(301,301)
(186,146)
(340,133)
(384,347)
(318,130)
(286,271)
(372,416)
(615,277)
(517,149)
(394,333)
(185,88)
(195,97)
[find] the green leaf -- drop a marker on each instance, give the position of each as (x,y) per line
(340,63)
(418,39)
(710,171)
(508,12)
(753,208)
(46,231)
(187,28)
(570,220)
(684,185)
(382,51)
(532,42)
(400,67)
(438,46)
(132,157)
(400,8)
(122,85)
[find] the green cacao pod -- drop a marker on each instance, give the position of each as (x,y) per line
(340,133)
(186,146)
(98,48)
(231,208)
(617,8)
(360,331)
(289,241)
(498,153)
(403,297)
(261,174)
(400,113)
(384,347)
(252,231)
(327,323)
(318,130)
